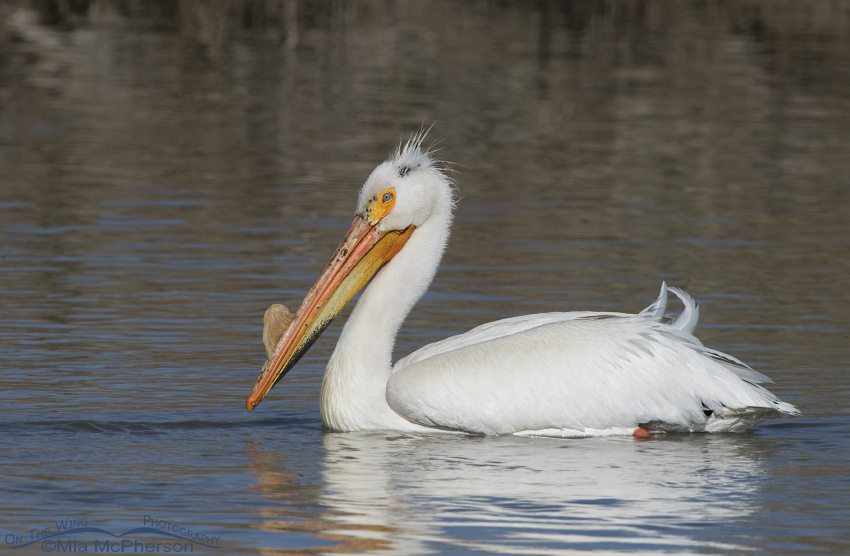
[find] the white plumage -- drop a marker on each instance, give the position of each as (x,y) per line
(564,374)
(579,373)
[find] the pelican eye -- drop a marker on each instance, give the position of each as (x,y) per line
(380,205)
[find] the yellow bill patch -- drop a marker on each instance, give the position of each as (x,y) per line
(379,206)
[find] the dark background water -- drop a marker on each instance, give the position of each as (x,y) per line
(169,169)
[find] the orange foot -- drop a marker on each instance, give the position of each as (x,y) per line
(641,432)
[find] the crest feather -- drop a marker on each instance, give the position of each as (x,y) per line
(411,156)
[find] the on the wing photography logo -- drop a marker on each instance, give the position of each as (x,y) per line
(154,536)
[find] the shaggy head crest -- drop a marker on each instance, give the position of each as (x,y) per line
(410,156)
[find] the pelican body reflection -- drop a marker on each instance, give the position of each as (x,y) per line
(418,494)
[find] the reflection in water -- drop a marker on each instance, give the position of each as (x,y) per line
(410,494)
(296,508)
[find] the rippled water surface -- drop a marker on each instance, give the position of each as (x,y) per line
(168,170)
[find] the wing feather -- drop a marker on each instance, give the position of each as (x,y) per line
(578,371)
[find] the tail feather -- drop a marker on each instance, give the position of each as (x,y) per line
(689,317)
(734,420)
(659,306)
(686,321)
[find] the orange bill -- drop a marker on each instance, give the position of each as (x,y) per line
(363,251)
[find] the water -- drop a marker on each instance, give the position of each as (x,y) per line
(167,171)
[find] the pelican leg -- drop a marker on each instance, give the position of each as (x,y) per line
(641,432)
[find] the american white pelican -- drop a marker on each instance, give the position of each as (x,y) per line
(564,374)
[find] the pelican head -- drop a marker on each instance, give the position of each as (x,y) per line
(404,193)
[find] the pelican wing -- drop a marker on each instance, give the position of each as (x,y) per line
(496,330)
(581,373)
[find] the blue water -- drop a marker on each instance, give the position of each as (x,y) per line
(167,173)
